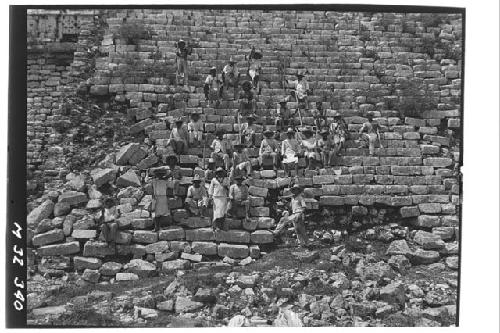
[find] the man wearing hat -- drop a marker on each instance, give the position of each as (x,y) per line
(310,145)
(107,219)
(197,197)
(285,117)
(318,114)
(371,136)
(241,161)
(179,137)
(248,132)
(247,101)
(160,200)
(290,150)
(212,87)
(195,130)
(297,207)
(254,67)
(182,52)
(301,89)
(338,129)
(325,145)
(210,171)
(238,196)
(221,148)
(218,192)
(269,148)
(231,76)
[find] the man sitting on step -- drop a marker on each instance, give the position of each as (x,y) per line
(195,130)
(182,52)
(197,197)
(230,77)
(238,196)
(212,88)
(241,161)
(221,148)
(179,137)
(285,116)
(371,136)
(298,207)
(247,101)
(248,132)
(269,149)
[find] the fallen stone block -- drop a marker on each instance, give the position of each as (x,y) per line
(81,263)
(424,257)
(126,277)
(110,268)
(172,233)
(140,267)
(191,257)
(428,241)
(103,176)
(161,246)
(52,236)
(184,304)
(59,249)
(129,178)
(84,234)
(91,275)
(125,153)
(73,198)
(179,264)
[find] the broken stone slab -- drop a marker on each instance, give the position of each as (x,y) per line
(126,277)
(424,257)
(184,304)
(39,213)
(204,248)
(204,295)
(59,249)
(191,257)
(147,162)
(140,267)
(142,223)
(129,178)
(61,208)
(179,246)
(49,237)
(166,305)
(73,198)
(161,246)
(75,182)
(428,241)
(94,204)
(393,293)
(232,251)
(81,263)
(103,176)
(110,268)
(125,152)
(246,281)
(84,234)
(91,275)
(174,265)
(306,256)
(398,247)
(136,157)
(97,249)
(49,311)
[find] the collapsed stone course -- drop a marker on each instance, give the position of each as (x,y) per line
(356,63)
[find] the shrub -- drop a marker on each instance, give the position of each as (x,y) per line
(133,32)
(415,98)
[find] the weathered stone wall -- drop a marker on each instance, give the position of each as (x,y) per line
(358,64)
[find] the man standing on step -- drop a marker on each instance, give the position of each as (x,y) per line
(298,207)
(231,77)
(212,88)
(160,200)
(301,90)
(218,192)
(197,197)
(195,130)
(182,52)
(285,116)
(254,68)
(179,137)
(290,150)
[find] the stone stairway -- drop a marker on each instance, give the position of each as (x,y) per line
(355,64)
